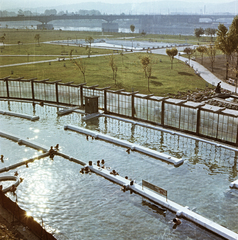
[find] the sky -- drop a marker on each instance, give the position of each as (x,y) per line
(8,4)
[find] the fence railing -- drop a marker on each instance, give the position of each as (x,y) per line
(192,117)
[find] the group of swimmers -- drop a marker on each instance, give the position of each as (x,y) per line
(53,150)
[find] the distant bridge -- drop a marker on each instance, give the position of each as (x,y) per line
(146,21)
(178,18)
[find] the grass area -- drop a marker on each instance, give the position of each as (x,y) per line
(6,60)
(130,75)
(12,36)
(48,49)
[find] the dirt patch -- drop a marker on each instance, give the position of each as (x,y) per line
(219,66)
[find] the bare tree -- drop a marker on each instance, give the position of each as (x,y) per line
(113,66)
(37,38)
(82,67)
(211,52)
(89,40)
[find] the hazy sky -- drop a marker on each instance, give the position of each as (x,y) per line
(6,4)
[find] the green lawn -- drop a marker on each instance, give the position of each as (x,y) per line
(12,36)
(6,60)
(130,75)
(48,49)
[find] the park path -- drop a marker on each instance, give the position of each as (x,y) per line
(204,72)
(49,60)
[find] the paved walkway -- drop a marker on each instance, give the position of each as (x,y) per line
(204,72)
(62,58)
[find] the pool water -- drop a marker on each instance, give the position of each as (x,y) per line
(87,206)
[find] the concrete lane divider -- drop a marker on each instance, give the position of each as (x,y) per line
(130,146)
(21,115)
(180,211)
(10,178)
(23,142)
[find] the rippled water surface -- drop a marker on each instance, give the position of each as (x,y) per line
(77,206)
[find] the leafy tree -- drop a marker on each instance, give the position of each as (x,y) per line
(146,65)
(233,30)
(37,38)
(211,52)
(132,27)
(113,66)
(202,50)
(20,12)
(189,51)
(172,52)
(225,42)
(143,33)
(89,40)
(210,32)
(50,12)
(198,32)
(82,67)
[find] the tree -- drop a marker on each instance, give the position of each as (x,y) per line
(113,66)
(20,12)
(49,12)
(198,32)
(189,51)
(132,27)
(143,33)
(82,67)
(146,65)
(233,30)
(71,52)
(202,50)
(210,32)
(89,40)
(211,52)
(172,52)
(2,39)
(37,38)
(225,42)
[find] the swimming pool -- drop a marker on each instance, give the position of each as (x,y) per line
(80,206)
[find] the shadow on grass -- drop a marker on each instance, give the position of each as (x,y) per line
(185,73)
(156,83)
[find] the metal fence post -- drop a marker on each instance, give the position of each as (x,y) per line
(32,90)
(57,92)
(105,100)
(7,88)
(81,95)
(198,121)
(162,113)
(132,105)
